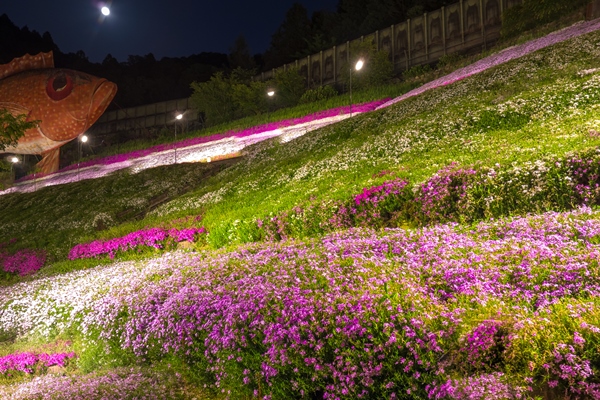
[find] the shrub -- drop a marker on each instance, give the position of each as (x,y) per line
(290,86)
(317,94)
(416,71)
(214,99)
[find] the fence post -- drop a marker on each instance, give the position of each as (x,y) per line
(462,22)
(426,34)
(309,72)
(348,52)
(321,68)
(444,28)
(393,42)
(409,38)
(482,22)
(592,10)
(334,65)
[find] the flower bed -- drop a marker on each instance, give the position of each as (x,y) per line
(122,384)
(508,306)
(23,262)
(27,362)
(157,238)
(452,194)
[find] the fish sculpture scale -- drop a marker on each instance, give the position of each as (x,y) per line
(65,102)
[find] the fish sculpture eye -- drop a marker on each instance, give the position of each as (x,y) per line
(59,86)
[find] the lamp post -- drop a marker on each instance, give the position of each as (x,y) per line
(82,139)
(13,161)
(358,66)
(178,117)
(270,93)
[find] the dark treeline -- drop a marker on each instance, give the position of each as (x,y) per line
(141,79)
(144,79)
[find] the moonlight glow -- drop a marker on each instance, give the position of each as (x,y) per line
(105,10)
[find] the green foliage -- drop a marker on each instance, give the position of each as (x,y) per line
(12,128)
(250,98)
(226,98)
(448,59)
(318,94)
(214,98)
(289,86)
(533,13)
(416,72)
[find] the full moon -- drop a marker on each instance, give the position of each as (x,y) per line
(105,10)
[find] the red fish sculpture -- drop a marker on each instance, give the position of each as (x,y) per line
(65,102)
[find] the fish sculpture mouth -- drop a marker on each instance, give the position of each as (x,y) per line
(102,95)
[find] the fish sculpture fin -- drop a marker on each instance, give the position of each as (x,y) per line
(14,109)
(50,161)
(26,63)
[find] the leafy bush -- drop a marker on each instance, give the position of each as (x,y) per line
(214,98)
(318,94)
(416,71)
(290,87)
(250,98)
(449,59)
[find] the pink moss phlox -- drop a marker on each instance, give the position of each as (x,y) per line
(26,362)
(153,237)
(23,262)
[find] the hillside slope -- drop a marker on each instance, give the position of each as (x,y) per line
(483,285)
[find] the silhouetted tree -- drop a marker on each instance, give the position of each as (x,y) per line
(288,42)
(15,42)
(239,55)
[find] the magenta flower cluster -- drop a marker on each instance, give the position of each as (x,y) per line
(22,262)
(569,369)
(484,345)
(584,171)
(454,193)
(156,238)
(491,386)
(443,197)
(373,207)
(369,314)
(27,362)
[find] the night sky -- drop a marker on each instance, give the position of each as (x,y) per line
(166,28)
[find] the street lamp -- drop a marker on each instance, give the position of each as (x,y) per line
(270,93)
(358,66)
(178,117)
(13,160)
(82,139)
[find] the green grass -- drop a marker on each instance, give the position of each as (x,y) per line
(515,113)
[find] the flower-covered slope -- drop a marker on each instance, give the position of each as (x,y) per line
(510,306)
